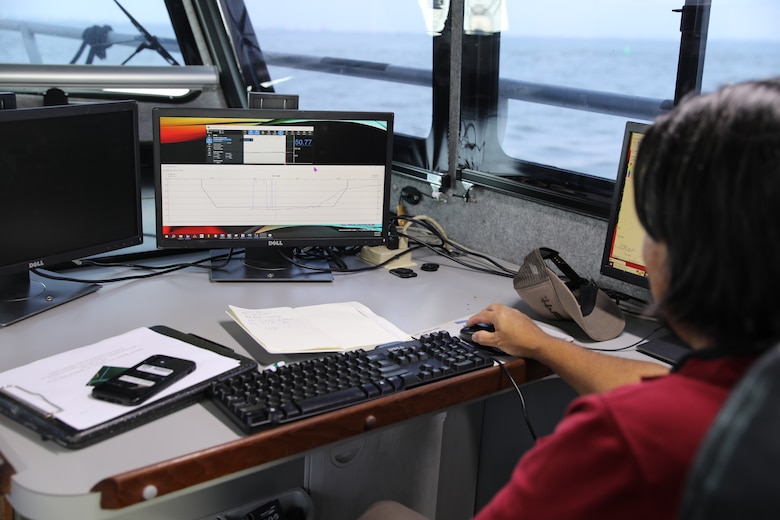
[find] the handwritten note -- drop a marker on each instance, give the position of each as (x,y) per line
(327,327)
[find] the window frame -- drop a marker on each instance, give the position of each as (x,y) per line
(471,63)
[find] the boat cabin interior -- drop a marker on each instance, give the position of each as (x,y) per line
(510,131)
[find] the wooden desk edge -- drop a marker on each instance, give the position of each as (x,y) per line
(175,474)
(6,472)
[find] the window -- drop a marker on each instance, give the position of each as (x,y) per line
(350,55)
(580,47)
(89,31)
(743,42)
(99,33)
(545,91)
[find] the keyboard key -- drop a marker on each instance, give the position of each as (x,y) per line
(332,400)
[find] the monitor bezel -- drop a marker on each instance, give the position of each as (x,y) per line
(57,258)
(294,242)
(606,268)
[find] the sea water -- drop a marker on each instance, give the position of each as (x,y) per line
(578,140)
(581,141)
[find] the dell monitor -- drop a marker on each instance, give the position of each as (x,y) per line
(622,257)
(271,182)
(69,188)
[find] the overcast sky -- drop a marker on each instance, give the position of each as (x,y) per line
(755,19)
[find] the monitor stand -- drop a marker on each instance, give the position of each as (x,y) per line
(264,264)
(26,294)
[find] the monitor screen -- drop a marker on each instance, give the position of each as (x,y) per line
(69,188)
(271,182)
(622,258)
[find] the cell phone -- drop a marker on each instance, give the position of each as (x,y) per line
(403,272)
(137,384)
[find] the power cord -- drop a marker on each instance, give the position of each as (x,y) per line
(443,246)
(156,270)
(345,269)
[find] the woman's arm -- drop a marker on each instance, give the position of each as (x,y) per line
(586,371)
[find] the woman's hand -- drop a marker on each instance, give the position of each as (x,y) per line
(515,333)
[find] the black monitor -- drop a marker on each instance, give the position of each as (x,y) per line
(622,256)
(69,188)
(271,182)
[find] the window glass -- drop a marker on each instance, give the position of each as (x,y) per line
(597,46)
(743,42)
(87,31)
(350,55)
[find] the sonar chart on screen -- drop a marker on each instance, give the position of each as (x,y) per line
(300,194)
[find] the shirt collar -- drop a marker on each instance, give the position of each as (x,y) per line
(716,363)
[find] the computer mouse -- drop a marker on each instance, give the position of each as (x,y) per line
(467,332)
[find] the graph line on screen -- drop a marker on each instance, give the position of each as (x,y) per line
(300,195)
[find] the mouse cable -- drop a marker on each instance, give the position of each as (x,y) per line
(522,399)
(628,347)
(527,419)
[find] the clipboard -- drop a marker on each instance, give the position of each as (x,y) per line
(43,420)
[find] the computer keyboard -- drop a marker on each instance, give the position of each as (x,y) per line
(260,400)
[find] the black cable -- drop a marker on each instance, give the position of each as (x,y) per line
(523,406)
(157,270)
(522,399)
(527,419)
(334,256)
(330,254)
(633,345)
(103,280)
(458,260)
(352,269)
(503,271)
(196,263)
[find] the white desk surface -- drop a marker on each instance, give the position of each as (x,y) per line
(48,476)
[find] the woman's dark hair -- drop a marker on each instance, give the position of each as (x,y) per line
(707,181)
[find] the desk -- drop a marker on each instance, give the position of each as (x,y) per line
(183,455)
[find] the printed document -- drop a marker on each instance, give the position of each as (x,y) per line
(57,386)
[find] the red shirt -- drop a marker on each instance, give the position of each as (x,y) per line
(621,454)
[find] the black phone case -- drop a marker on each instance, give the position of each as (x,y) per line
(116,392)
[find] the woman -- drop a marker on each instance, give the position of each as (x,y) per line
(707,182)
